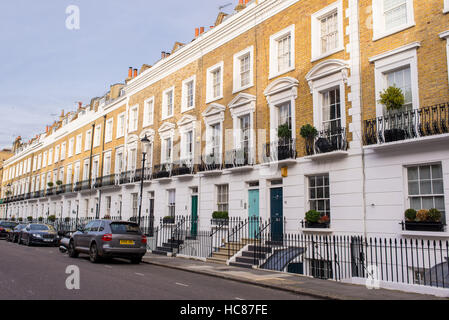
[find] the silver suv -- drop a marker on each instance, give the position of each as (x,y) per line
(109,239)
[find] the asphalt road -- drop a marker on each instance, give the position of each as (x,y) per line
(31,273)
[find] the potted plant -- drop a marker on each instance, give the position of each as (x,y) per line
(168,219)
(314,219)
(50,184)
(52,218)
(423,220)
(40,219)
(13,218)
(393,100)
(284,145)
(29,218)
(67,219)
(309,132)
(59,182)
(220,218)
(20,219)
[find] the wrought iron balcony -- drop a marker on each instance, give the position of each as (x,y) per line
(184,167)
(163,170)
(108,180)
(238,158)
(82,185)
(424,122)
(279,150)
(50,191)
(211,162)
(333,139)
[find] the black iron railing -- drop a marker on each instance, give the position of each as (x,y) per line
(332,139)
(238,158)
(211,162)
(282,149)
(397,126)
(163,170)
(183,167)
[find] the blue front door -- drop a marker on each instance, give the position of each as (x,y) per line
(277,221)
(253,213)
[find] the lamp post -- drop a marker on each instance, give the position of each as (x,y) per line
(145,142)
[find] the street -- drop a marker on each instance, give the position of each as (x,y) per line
(40,273)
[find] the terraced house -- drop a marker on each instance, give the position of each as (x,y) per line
(229,117)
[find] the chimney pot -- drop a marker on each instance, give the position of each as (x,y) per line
(135,73)
(246,1)
(130,72)
(201,30)
(197,32)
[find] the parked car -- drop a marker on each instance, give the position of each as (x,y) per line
(6,227)
(14,234)
(39,233)
(109,239)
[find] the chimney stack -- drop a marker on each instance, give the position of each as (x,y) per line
(197,32)
(240,6)
(135,73)
(201,30)
(130,72)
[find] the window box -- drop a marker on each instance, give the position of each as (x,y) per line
(168,220)
(220,222)
(316,225)
(424,226)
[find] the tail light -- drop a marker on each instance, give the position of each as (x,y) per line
(107,237)
(144,239)
(2,229)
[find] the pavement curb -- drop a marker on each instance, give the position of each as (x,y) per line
(307,292)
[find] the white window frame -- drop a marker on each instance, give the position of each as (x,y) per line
(316,30)
(69,173)
(446,6)
(88,139)
(63,150)
(210,84)
(57,153)
(131,127)
(79,143)
(34,163)
(106,164)
(187,124)
(184,102)
(392,60)
(50,156)
(379,31)
(71,147)
(169,204)
(148,104)
(121,126)
(117,169)
(445,36)
(237,83)
(274,72)
(97,135)
(109,130)
(165,114)
(44,160)
(39,162)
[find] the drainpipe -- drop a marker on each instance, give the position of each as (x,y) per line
(91,152)
(102,163)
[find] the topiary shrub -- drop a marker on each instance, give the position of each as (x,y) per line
(308,131)
(392,98)
(312,216)
(284,132)
(40,219)
(223,215)
(67,219)
(422,215)
(20,219)
(434,215)
(58,183)
(13,218)
(30,218)
(168,219)
(410,214)
(50,184)
(52,218)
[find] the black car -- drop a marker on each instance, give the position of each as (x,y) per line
(14,234)
(6,227)
(39,233)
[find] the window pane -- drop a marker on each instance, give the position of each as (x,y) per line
(415,203)
(437,187)
(427,202)
(424,172)
(437,172)
(426,187)
(413,188)
(412,173)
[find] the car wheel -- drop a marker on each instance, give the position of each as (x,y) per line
(72,251)
(93,253)
(136,260)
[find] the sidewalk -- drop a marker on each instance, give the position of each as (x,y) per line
(325,289)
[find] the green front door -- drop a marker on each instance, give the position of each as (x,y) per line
(253,213)
(194,227)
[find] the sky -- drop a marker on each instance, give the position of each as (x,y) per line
(46,67)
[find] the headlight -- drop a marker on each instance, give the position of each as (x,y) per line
(37,235)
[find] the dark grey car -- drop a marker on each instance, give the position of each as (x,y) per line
(109,239)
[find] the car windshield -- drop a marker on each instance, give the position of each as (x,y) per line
(124,227)
(20,227)
(9,224)
(40,227)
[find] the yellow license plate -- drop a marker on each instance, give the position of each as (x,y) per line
(131,242)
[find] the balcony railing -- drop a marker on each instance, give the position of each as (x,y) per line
(82,185)
(162,170)
(238,158)
(210,163)
(50,191)
(279,150)
(184,167)
(333,139)
(428,121)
